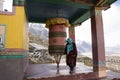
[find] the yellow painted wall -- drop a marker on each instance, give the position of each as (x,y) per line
(15,25)
(25,36)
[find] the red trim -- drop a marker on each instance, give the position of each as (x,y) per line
(13,50)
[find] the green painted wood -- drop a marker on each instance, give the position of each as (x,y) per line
(18,2)
(12,56)
(83,18)
(111,1)
(57,34)
(68,3)
(56,49)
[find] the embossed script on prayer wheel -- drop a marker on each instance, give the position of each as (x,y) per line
(57,37)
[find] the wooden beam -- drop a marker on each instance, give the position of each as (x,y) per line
(82,18)
(66,2)
(101,2)
(85,2)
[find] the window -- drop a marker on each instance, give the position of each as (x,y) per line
(2,37)
(6,6)
(1,42)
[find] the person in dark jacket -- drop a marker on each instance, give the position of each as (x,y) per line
(71,54)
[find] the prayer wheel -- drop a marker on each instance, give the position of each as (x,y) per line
(57,36)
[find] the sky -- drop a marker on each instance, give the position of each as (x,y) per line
(7,5)
(111,25)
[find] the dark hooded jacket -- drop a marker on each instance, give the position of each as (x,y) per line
(71,56)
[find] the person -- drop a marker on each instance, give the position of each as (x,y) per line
(71,54)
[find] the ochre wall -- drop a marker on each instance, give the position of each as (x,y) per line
(16,29)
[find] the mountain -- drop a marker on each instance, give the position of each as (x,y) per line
(39,30)
(113,49)
(83,46)
(39,35)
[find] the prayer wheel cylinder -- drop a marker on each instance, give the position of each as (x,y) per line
(57,35)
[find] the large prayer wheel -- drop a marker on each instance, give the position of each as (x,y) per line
(57,35)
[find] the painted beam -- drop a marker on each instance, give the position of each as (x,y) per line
(82,18)
(85,2)
(11,56)
(67,3)
(72,33)
(102,3)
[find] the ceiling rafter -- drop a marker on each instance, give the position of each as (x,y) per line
(85,2)
(81,19)
(76,11)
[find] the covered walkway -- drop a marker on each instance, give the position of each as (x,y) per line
(57,15)
(50,72)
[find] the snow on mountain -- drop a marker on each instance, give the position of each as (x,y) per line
(39,30)
(83,46)
(38,46)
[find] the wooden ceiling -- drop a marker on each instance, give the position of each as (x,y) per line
(76,11)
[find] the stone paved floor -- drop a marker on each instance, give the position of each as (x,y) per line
(50,70)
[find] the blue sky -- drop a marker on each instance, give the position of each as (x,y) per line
(111,21)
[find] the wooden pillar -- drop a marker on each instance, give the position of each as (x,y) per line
(98,50)
(72,33)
